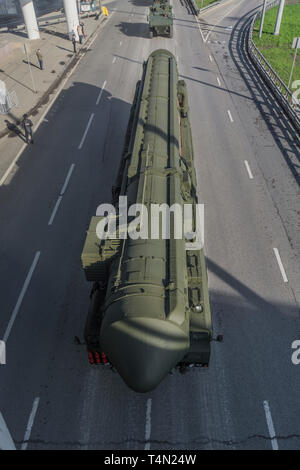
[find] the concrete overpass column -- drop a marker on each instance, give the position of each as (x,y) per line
(30,19)
(71,13)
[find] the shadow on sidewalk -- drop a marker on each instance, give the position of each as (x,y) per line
(15,80)
(15,32)
(30,63)
(65,49)
(14,130)
(55,33)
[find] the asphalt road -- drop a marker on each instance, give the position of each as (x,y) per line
(50,397)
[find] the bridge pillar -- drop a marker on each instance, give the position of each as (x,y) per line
(30,19)
(70,7)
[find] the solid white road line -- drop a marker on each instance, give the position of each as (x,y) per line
(270,425)
(148,424)
(55,210)
(114,60)
(248,169)
(219,81)
(67,179)
(121,43)
(199,27)
(230,116)
(282,270)
(210,58)
(21,297)
(86,131)
(101,91)
(6,442)
(30,423)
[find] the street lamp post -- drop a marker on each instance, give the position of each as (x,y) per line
(30,71)
(279,18)
(262,18)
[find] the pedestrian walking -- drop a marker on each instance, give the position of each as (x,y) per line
(39,57)
(80,34)
(74,42)
(27,126)
(82,28)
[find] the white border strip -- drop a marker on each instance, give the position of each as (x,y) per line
(6,441)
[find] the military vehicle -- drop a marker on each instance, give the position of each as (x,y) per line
(160,19)
(149,310)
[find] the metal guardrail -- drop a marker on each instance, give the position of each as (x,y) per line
(192,5)
(281,91)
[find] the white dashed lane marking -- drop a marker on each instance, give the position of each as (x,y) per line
(21,296)
(86,131)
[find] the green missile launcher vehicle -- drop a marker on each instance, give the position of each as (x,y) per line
(160,19)
(149,311)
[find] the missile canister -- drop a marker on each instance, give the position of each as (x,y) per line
(149,309)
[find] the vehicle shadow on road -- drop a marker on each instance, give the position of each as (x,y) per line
(138,30)
(141,3)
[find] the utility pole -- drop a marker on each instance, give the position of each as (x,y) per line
(30,71)
(279,18)
(71,14)
(30,19)
(296,45)
(262,18)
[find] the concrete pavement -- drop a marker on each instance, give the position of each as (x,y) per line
(251,378)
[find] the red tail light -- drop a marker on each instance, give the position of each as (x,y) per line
(91,358)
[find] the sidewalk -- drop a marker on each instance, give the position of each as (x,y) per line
(33,91)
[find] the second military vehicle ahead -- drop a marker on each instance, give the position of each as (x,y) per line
(160,19)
